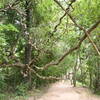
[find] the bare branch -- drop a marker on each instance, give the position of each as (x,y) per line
(20,65)
(19,12)
(16,2)
(92,42)
(87,32)
(43,77)
(66,11)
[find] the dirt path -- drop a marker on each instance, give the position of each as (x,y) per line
(64,91)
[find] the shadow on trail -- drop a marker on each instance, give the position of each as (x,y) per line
(65,91)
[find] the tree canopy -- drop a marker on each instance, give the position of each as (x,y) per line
(42,40)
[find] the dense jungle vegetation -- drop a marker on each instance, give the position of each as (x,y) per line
(42,40)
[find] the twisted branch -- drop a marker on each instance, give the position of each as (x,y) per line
(70,50)
(81,28)
(61,18)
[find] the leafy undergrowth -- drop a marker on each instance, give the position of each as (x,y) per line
(24,95)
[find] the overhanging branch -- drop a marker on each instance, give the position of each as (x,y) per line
(70,50)
(83,29)
(44,77)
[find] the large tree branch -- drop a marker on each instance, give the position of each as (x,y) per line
(70,50)
(44,77)
(62,57)
(87,32)
(20,65)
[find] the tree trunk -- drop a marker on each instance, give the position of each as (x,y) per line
(28,47)
(97,78)
(90,74)
(74,73)
(74,76)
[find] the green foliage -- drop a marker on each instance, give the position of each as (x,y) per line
(8,27)
(46,7)
(47,47)
(87,11)
(3,96)
(21,89)
(3,83)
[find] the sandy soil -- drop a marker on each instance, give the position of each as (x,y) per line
(64,91)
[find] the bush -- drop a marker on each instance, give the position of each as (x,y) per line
(21,89)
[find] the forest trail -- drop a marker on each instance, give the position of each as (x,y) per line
(65,91)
